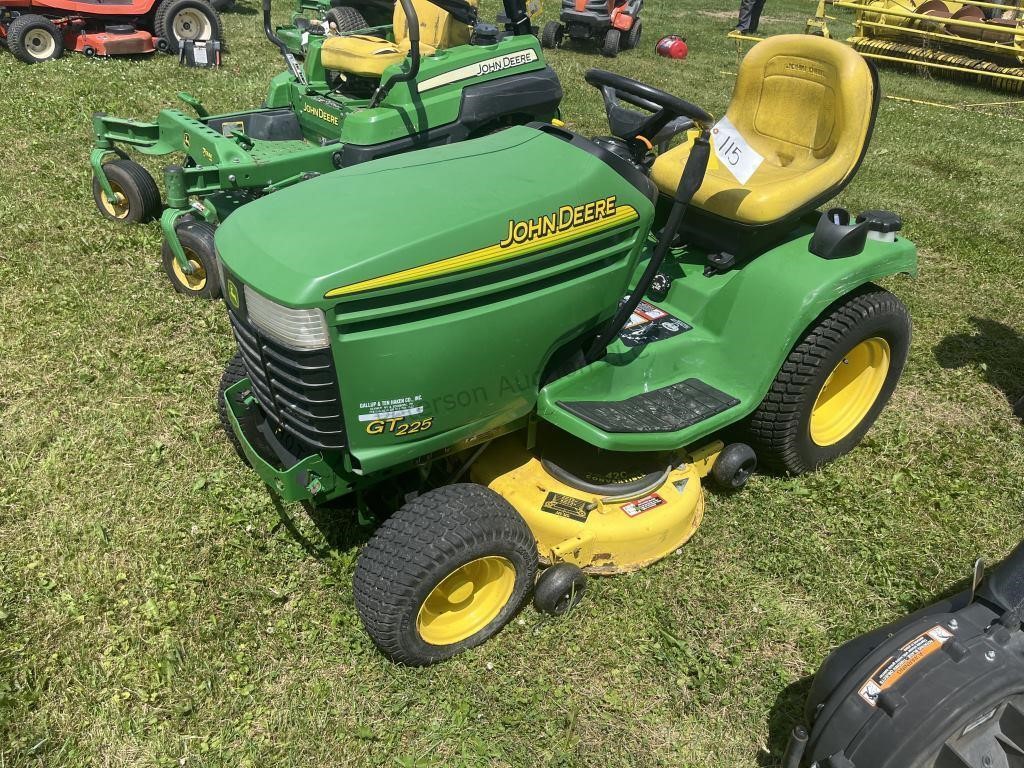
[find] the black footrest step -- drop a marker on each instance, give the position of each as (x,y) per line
(668,409)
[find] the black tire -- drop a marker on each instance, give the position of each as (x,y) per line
(141,196)
(559,589)
(551,35)
(780,427)
(734,466)
(611,43)
(234,372)
(33,39)
(1018,409)
(196,238)
(418,547)
(633,38)
(346,19)
(175,20)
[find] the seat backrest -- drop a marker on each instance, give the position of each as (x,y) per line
(801,100)
(438,30)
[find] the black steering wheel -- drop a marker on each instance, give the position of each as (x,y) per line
(667,111)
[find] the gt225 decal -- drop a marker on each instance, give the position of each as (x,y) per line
(399,426)
(519,238)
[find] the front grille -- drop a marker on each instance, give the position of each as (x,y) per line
(298,391)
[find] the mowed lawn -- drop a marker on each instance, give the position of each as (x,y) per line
(155,610)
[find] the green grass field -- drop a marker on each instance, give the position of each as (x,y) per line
(156,611)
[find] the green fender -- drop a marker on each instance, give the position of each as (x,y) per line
(745,323)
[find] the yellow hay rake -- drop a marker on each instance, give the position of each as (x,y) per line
(975,41)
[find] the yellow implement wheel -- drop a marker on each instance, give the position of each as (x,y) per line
(850,391)
(136,195)
(196,238)
(195,281)
(466,600)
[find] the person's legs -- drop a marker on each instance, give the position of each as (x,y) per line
(755,14)
(750,15)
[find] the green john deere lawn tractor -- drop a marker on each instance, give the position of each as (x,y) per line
(439,77)
(539,355)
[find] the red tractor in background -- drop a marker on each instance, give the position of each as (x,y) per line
(612,24)
(41,30)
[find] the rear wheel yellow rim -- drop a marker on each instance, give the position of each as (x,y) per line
(194,282)
(850,391)
(118,207)
(466,600)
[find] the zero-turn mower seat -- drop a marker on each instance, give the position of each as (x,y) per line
(369,56)
(805,104)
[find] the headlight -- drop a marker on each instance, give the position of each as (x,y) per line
(295,328)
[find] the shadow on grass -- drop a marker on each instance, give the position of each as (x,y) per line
(338,525)
(995,346)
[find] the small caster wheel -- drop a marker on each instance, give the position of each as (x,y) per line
(734,466)
(559,589)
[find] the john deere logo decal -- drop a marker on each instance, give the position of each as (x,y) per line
(520,238)
(321,113)
(233,294)
(565,218)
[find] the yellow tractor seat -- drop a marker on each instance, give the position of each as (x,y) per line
(807,106)
(368,56)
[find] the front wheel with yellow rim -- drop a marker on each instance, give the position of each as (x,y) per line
(135,198)
(444,573)
(202,279)
(834,382)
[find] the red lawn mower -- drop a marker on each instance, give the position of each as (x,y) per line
(612,24)
(41,30)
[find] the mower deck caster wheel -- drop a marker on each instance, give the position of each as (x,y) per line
(551,36)
(559,589)
(136,195)
(444,573)
(33,38)
(196,239)
(611,43)
(734,466)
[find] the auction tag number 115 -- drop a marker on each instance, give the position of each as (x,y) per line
(734,152)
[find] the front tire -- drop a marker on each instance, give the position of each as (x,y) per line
(444,573)
(633,38)
(196,239)
(136,195)
(551,35)
(834,383)
(233,373)
(178,20)
(611,43)
(34,39)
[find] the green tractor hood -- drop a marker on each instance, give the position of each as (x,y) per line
(422,216)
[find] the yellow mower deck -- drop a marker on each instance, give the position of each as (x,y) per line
(600,534)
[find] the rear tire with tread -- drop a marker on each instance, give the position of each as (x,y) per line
(346,19)
(21,34)
(420,545)
(611,43)
(551,35)
(780,426)
(163,21)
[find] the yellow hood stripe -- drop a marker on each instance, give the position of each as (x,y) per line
(492,254)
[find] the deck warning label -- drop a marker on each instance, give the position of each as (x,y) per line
(906,658)
(645,504)
(567,506)
(650,323)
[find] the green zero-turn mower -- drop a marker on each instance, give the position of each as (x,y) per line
(440,77)
(537,357)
